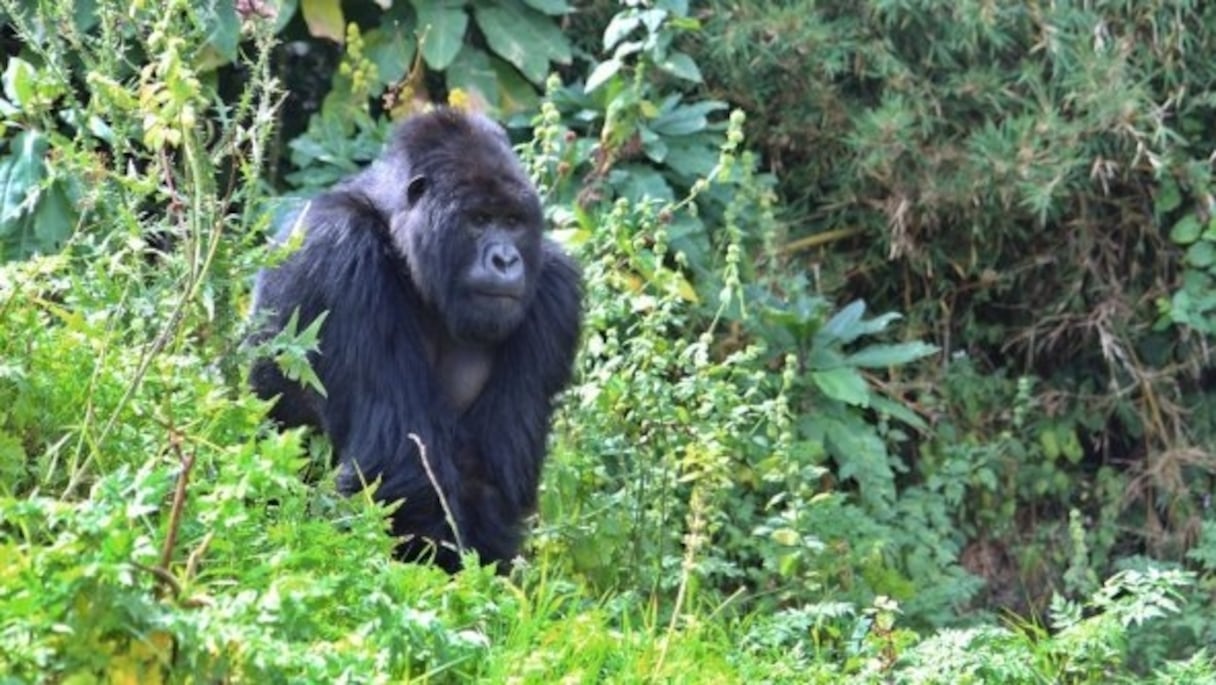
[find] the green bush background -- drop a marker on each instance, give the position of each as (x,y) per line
(899,324)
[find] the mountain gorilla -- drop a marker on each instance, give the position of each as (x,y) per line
(449,317)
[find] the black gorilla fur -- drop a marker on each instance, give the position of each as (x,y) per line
(449,316)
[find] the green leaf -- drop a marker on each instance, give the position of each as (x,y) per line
(391,50)
(525,38)
(898,411)
(55,218)
(20,173)
(881,356)
(687,119)
(844,321)
(653,145)
(1070,444)
(1201,255)
(785,536)
(13,462)
(84,15)
(325,19)
(846,326)
(1168,197)
(683,23)
(691,156)
(471,71)
(824,357)
(682,66)
(652,18)
(554,7)
(1187,230)
(443,25)
(294,348)
(601,73)
(641,183)
(515,93)
(283,15)
(628,48)
(620,27)
(19,81)
(223,30)
(843,383)
(862,456)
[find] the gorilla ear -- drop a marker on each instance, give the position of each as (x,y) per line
(414,191)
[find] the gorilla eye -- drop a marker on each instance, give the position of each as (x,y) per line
(415,189)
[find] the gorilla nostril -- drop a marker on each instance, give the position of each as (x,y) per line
(503,260)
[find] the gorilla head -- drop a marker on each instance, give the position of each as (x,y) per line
(468,222)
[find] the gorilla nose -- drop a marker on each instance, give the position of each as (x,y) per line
(504,261)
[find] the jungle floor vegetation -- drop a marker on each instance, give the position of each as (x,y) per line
(896,363)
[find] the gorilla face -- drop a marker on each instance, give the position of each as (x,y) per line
(473,246)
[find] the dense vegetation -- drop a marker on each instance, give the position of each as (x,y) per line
(897,363)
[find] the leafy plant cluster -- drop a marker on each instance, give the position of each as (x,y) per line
(1031,184)
(1193,304)
(724,502)
(398,57)
(681,435)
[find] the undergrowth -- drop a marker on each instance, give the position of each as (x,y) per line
(721,502)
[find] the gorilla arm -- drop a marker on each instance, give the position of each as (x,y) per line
(372,362)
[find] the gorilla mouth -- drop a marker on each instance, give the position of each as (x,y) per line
(496,296)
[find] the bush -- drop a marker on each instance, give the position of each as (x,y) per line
(1032,186)
(725,498)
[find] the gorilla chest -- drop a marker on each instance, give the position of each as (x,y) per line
(461,371)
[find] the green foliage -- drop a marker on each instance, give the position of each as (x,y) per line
(638,136)
(399,57)
(1194,303)
(1032,186)
(290,348)
(518,33)
(36,208)
(655,46)
(493,54)
(1086,645)
(744,486)
(717,455)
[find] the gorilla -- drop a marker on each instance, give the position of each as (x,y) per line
(449,317)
